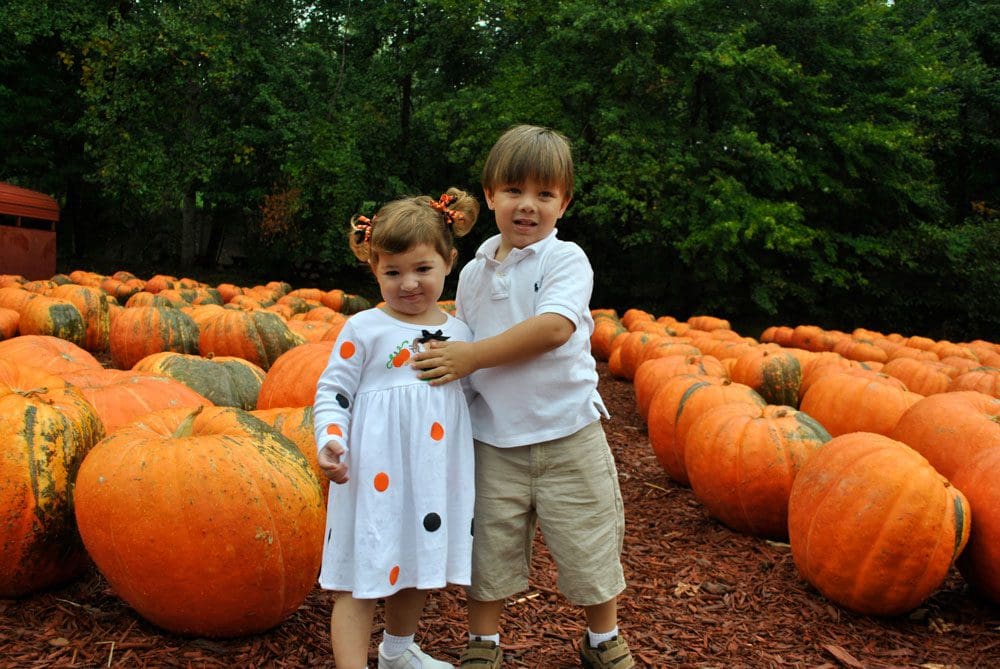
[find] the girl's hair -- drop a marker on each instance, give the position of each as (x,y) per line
(402,224)
(530,152)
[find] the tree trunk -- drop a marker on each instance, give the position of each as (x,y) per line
(188,232)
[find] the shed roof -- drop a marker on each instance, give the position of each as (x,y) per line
(17,201)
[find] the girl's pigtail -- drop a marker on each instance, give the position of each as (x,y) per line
(459,209)
(360,237)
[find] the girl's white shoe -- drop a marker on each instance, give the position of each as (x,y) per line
(412,658)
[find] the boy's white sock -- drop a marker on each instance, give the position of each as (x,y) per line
(394,646)
(495,638)
(596,638)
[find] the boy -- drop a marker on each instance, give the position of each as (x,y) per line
(541,452)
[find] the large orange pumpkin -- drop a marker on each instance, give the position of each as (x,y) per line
(950,428)
(742,459)
(677,403)
(8,323)
(925,377)
(120,397)
(857,400)
(257,336)
(982,379)
(206,522)
(93,306)
(653,373)
(773,373)
(46,428)
(223,381)
(52,354)
(53,317)
(873,526)
(291,381)
(140,331)
(979,481)
(296,423)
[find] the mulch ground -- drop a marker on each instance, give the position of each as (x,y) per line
(699,595)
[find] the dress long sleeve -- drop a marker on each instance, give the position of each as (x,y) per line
(337,388)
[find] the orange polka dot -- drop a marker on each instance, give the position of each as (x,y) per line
(437,431)
(381,481)
(347,349)
(334,430)
(394,575)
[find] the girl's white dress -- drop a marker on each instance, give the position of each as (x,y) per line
(404,519)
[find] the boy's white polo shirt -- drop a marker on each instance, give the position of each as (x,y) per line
(550,396)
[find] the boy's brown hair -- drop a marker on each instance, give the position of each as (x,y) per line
(530,152)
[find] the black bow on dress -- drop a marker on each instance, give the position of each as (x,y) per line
(428,336)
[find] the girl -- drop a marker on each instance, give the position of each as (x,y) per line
(400,522)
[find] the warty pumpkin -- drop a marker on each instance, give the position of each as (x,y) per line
(52,354)
(296,423)
(775,374)
(258,336)
(46,427)
(873,526)
(53,317)
(222,380)
(93,307)
(140,331)
(206,522)
(120,397)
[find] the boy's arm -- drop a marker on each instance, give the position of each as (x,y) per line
(445,362)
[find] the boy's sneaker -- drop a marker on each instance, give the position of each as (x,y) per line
(610,654)
(412,658)
(482,655)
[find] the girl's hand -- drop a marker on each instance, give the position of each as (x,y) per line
(329,462)
(443,362)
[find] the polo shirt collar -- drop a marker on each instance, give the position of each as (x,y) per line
(488,249)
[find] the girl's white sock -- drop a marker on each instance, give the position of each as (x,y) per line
(393,646)
(495,638)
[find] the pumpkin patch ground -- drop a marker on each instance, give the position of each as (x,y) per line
(699,595)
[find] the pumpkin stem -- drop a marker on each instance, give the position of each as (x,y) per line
(32,392)
(187,425)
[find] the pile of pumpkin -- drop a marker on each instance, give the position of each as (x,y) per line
(183,466)
(876,457)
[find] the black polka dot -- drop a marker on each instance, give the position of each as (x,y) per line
(432,522)
(343,401)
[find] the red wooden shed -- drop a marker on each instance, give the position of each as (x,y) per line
(27,232)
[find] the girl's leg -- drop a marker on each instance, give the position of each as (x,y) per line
(351,630)
(402,611)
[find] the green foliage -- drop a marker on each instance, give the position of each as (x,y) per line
(782,161)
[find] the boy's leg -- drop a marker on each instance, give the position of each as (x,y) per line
(484,617)
(581,514)
(602,617)
(351,630)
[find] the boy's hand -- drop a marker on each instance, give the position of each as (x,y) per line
(329,462)
(443,362)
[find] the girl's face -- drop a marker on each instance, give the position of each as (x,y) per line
(411,282)
(526,213)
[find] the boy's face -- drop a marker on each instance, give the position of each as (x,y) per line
(526,212)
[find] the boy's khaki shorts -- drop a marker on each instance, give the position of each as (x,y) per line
(569,487)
